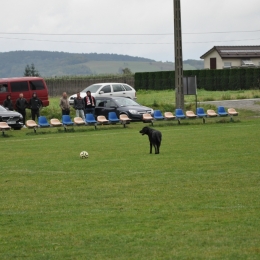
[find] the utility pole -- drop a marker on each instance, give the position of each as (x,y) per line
(179,94)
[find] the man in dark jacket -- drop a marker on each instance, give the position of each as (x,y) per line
(35,103)
(8,103)
(21,105)
(90,103)
(79,106)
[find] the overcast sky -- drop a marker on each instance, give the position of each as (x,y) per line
(141,28)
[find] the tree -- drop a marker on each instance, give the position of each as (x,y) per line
(126,71)
(31,71)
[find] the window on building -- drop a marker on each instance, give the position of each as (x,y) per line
(227,65)
(247,63)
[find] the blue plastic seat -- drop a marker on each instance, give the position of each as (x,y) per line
(179,114)
(201,112)
(66,120)
(90,119)
(43,122)
(222,112)
(157,115)
(112,117)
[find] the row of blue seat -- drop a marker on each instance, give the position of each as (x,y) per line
(113,119)
(67,121)
(90,119)
(200,113)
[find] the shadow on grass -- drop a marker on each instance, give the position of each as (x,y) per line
(6,135)
(195,122)
(78,130)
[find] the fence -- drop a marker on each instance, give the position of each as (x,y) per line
(227,79)
(57,86)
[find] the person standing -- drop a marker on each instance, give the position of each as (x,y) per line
(8,103)
(79,106)
(90,104)
(21,105)
(64,104)
(35,103)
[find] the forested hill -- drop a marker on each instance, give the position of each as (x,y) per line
(70,58)
(50,64)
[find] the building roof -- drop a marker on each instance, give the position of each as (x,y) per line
(242,52)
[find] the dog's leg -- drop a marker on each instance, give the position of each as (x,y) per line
(151,146)
(155,148)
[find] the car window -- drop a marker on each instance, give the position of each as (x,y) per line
(106,89)
(126,102)
(127,88)
(110,103)
(19,86)
(118,87)
(36,85)
(100,103)
(3,88)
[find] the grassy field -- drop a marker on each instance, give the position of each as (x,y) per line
(168,96)
(198,199)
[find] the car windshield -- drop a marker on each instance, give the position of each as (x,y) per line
(92,88)
(125,102)
(2,109)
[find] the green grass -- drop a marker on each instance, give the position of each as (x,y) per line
(197,199)
(168,96)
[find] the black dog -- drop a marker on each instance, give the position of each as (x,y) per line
(155,138)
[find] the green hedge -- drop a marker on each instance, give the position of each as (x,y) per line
(227,79)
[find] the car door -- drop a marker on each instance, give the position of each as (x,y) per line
(118,90)
(100,106)
(105,91)
(110,106)
(104,106)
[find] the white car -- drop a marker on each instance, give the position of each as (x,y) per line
(107,90)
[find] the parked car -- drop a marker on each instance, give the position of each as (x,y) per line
(121,105)
(12,118)
(107,90)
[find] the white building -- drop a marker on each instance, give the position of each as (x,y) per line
(222,57)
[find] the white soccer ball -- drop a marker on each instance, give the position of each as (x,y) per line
(83,155)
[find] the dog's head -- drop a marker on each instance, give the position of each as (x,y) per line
(144,131)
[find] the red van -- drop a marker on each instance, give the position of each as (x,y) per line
(25,85)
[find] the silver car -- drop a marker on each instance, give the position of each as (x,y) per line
(107,90)
(12,118)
